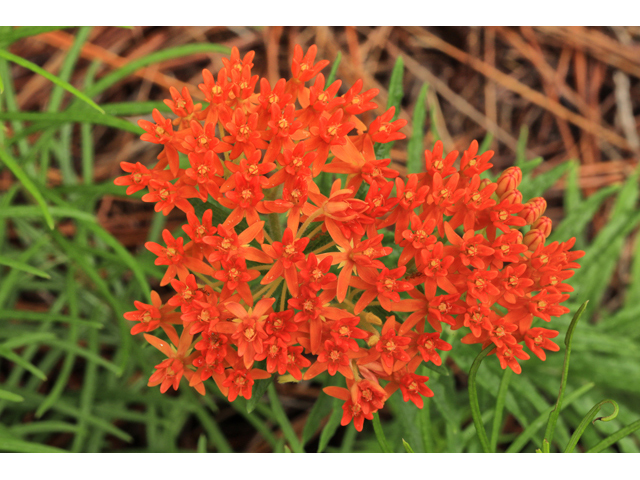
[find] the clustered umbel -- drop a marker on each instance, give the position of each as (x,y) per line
(298,272)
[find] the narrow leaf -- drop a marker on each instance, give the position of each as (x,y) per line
(41,71)
(334,70)
(415,149)
(27,183)
(23,266)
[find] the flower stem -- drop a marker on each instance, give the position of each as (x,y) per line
(308,221)
(553,417)
(267,290)
(473,399)
(324,247)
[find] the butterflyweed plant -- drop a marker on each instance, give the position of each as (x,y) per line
(316,255)
(70,377)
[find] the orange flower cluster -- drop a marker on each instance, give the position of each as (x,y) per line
(293,277)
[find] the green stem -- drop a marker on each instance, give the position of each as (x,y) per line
(553,417)
(497,418)
(283,421)
(382,439)
(590,418)
(473,399)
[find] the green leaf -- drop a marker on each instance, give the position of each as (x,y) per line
(537,186)
(580,216)
(41,71)
(440,369)
(334,70)
(283,421)
(27,183)
(44,426)
(23,32)
(21,446)
(589,418)
(321,408)
(522,439)
(332,425)
(160,56)
(616,437)
(1,85)
(497,419)
(415,149)
(395,87)
(21,362)
(486,143)
(407,447)
(10,396)
(394,99)
(202,443)
(76,116)
(259,389)
(23,266)
(46,317)
(380,436)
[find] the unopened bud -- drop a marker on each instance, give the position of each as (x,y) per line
(543,224)
(512,197)
(533,239)
(533,209)
(373,319)
(288,378)
(508,180)
(373,339)
(485,182)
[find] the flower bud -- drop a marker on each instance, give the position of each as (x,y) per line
(373,339)
(533,238)
(508,180)
(533,209)
(372,319)
(512,197)
(485,182)
(544,225)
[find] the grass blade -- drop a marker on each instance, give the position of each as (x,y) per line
(24,267)
(27,183)
(331,427)
(380,436)
(283,421)
(23,32)
(497,419)
(21,446)
(611,439)
(590,418)
(522,439)
(10,396)
(415,149)
(334,70)
(76,116)
(41,71)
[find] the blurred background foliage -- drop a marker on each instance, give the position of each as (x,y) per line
(562,103)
